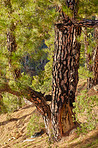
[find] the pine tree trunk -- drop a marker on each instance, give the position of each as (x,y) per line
(87,60)
(95,60)
(95,81)
(65,77)
(94,57)
(1,102)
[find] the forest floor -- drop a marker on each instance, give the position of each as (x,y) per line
(13,130)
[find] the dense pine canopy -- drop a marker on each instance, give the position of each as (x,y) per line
(27,25)
(33,22)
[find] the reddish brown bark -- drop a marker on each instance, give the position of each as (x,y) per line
(65,76)
(65,71)
(40,102)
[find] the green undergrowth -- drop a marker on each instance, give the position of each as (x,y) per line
(92,144)
(85,112)
(35,124)
(10,103)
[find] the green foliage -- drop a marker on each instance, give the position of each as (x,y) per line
(23,81)
(88,45)
(33,22)
(8,117)
(91,40)
(84,73)
(67,10)
(87,8)
(43,81)
(85,112)
(10,103)
(93,143)
(34,125)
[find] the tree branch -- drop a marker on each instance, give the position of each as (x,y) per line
(33,96)
(40,102)
(86,23)
(6,88)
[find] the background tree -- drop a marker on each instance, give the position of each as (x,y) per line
(36,19)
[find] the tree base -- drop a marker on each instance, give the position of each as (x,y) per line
(66,120)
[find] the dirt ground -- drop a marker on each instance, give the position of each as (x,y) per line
(13,131)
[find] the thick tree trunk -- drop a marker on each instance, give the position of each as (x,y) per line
(65,77)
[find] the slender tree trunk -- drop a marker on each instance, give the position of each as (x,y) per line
(12,46)
(65,77)
(87,60)
(95,81)
(91,67)
(1,102)
(95,60)
(86,46)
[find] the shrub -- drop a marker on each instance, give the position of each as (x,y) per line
(35,124)
(10,103)
(85,112)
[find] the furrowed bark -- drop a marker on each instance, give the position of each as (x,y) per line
(65,77)
(65,70)
(39,100)
(88,23)
(85,23)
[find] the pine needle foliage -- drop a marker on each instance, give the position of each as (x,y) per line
(33,22)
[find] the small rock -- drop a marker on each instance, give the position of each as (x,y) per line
(5,143)
(11,138)
(96,88)
(28,140)
(38,134)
